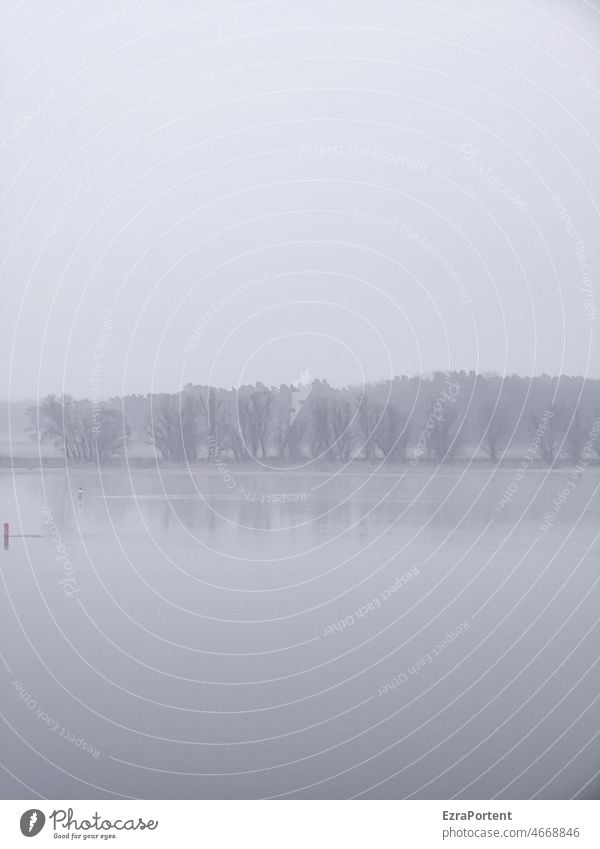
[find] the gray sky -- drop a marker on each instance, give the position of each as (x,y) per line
(231,192)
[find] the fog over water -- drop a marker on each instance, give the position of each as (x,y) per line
(302,300)
(411,180)
(207,650)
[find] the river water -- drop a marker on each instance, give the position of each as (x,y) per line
(190,634)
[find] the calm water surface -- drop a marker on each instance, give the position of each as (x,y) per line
(182,635)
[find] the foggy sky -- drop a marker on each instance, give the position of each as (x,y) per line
(230,192)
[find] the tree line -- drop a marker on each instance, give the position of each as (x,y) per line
(437,419)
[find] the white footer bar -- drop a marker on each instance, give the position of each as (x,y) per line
(302,824)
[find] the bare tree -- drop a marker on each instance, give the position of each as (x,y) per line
(341,415)
(391,434)
(83,431)
(320,426)
(289,429)
(494,427)
(161,429)
(366,422)
(281,434)
(218,424)
(548,427)
(296,438)
(254,413)
(446,435)
(288,437)
(52,421)
(174,426)
(111,433)
(594,443)
(232,437)
(575,437)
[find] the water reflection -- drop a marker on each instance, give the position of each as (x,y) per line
(331,505)
(190,594)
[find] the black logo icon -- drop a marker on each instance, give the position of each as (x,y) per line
(32,822)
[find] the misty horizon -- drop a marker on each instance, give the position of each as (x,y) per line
(321,378)
(300,409)
(217,217)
